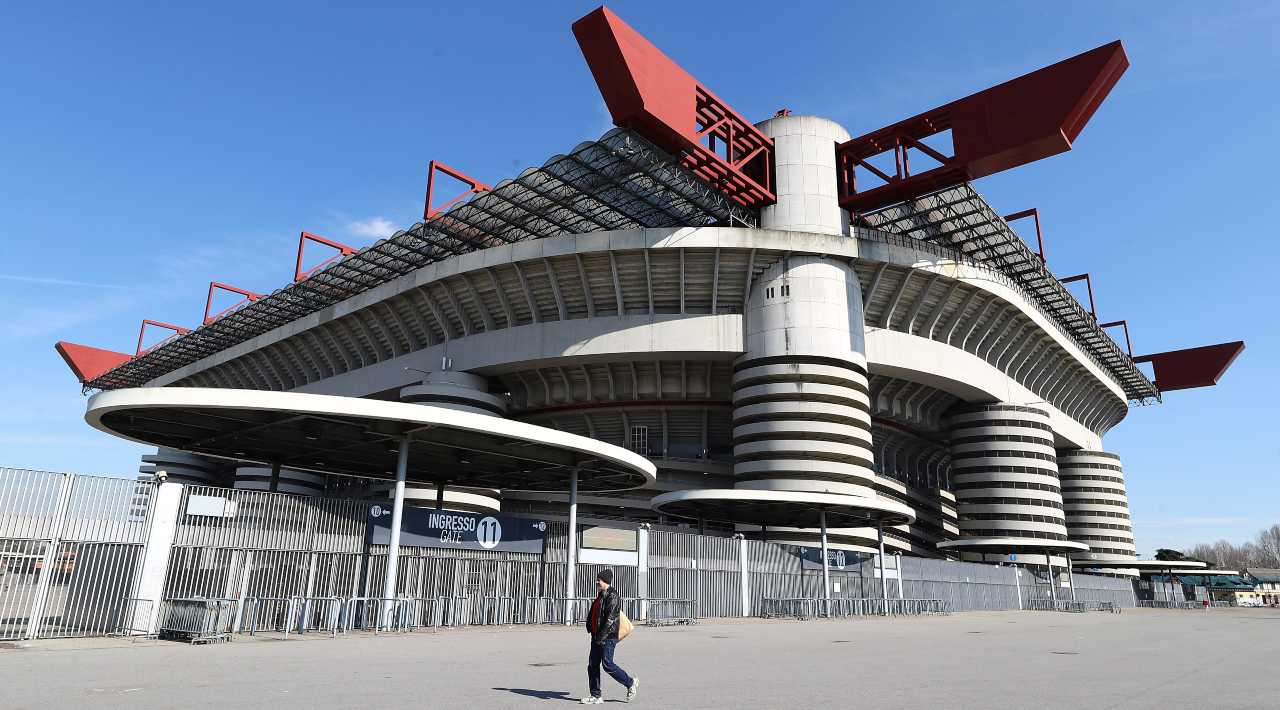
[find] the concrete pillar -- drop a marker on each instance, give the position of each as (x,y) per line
(571,560)
(884,582)
(155,555)
(745,575)
(642,568)
(397,517)
(826,573)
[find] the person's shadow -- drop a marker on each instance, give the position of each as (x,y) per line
(541,694)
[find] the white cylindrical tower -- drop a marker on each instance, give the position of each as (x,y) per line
(805,177)
(464,392)
(1097,505)
(801,410)
(1004,473)
(181,467)
(259,478)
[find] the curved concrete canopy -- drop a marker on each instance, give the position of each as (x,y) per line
(1144,566)
(781,508)
(355,436)
(1010,544)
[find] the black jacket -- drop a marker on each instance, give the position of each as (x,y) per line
(606,626)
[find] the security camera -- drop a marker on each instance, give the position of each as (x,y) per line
(161,476)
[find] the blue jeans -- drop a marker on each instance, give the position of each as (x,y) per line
(603,654)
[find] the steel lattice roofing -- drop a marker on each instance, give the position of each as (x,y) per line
(961,219)
(620,181)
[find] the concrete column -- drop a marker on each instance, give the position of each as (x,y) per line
(884,582)
(642,567)
(826,573)
(155,556)
(571,560)
(397,517)
(1071,579)
(898,569)
(745,575)
(1053,580)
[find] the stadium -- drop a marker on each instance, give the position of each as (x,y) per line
(782,334)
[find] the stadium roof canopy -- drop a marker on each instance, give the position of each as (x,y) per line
(361,437)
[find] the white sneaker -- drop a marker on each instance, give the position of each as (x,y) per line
(592,700)
(631,692)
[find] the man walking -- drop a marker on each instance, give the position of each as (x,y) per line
(602,624)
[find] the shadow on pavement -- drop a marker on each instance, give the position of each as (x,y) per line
(541,694)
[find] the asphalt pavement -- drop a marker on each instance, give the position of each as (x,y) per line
(1220,658)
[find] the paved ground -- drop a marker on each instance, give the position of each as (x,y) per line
(1224,658)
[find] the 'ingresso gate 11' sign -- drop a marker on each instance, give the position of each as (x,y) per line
(423,527)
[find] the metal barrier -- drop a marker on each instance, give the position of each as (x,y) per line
(426,612)
(133,617)
(1071,606)
(377,614)
(660,611)
(268,614)
(198,620)
(551,610)
(319,613)
(497,610)
(810,608)
(1168,604)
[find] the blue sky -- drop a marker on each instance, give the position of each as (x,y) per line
(148,149)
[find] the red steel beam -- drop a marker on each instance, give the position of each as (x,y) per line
(474,187)
(343,250)
(648,92)
(177,330)
(1034,116)
(1093,308)
(1034,213)
(88,362)
(249,296)
(1192,367)
(1125,324)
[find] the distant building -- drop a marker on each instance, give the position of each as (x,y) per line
(1266,583)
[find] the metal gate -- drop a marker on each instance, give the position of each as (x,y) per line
(70,551)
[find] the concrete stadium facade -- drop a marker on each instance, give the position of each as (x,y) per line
(750,320)
(646,338)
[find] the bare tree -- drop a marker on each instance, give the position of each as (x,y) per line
(1264,551)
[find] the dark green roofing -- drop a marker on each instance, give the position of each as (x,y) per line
(1218,581)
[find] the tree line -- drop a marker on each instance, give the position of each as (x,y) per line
(1263,551)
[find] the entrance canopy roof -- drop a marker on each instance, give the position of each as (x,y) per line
(355,436)
(998,545)
(782,508)
(1143,566)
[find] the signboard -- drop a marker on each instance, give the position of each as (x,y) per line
(211,506)
(811,558)
(427,527)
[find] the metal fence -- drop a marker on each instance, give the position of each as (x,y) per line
(70,550)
